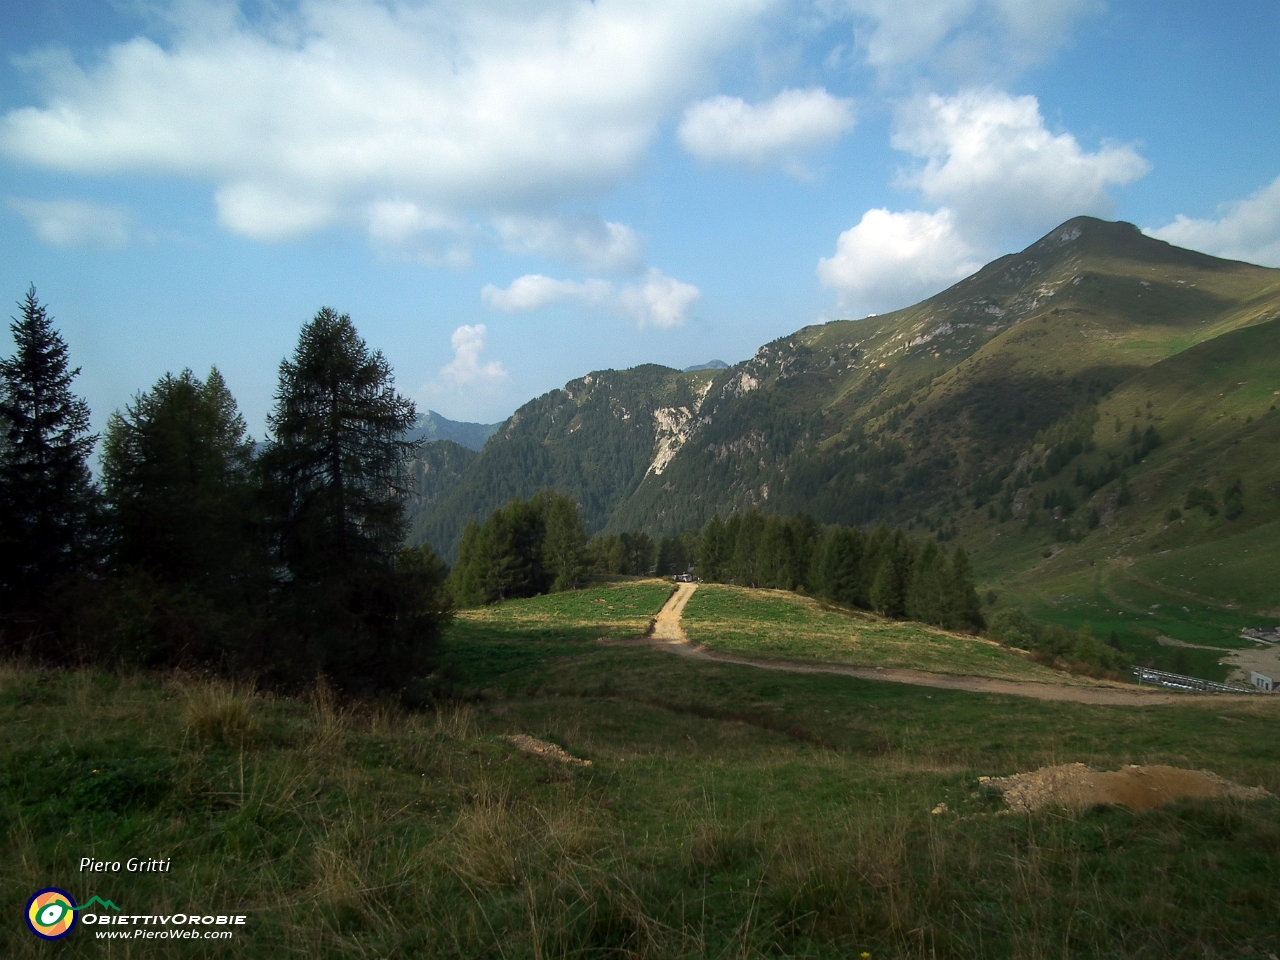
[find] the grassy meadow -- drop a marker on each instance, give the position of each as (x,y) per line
(778,624)
(726,811)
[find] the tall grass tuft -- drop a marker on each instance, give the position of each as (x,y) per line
(219,711)
(330,719)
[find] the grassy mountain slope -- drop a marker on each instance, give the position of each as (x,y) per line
(1048,411)
(879,418)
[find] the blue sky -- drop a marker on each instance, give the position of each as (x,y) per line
(507,195)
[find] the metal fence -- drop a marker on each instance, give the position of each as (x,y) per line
(1176,681)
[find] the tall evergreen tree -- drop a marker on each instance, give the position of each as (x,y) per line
(353,605)
(47,498)
(714,551)
(965,607)
(338,452)
(744,566)
(893,576)
(565,550)
(840,567)
(930,586)
(177,468)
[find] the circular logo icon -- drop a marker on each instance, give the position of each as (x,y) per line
(51,913)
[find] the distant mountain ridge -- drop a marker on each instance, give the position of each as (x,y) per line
(1089,380)
(432,426)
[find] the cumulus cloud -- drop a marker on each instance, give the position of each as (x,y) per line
(656,301)
(465,369)
(307,118)
(730,129)
(589,242)
(996,176)
(968,39)
(989,157)
(1246,230)
(892,259)
(74,223)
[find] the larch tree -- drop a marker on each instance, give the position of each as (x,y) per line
(354,604)
(338,453)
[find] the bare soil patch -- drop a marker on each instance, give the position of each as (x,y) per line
(527,744)
(1265,660)
(1074,786)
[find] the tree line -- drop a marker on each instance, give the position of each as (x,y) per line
(537,546)
(199,547)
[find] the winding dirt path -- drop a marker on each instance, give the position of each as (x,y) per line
(668,634)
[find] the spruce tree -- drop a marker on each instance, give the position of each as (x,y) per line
(47,498)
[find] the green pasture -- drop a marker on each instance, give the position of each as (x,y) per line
(776,624)
(726,811)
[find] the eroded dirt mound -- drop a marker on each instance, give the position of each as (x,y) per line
(527,744)
(1075,787)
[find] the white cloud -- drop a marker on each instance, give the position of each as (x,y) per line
(890,260)
(466,370)
(990,159)
(310,118)
(996,176)
(406,231)
(588,242)
(1247,230)
(533,291)
(968,39)
(74,223)
(657,301)
(730,129)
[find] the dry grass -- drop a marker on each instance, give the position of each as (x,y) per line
(331,719)
(218,711)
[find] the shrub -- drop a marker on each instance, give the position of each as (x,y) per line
(1203,498)
(1055,644)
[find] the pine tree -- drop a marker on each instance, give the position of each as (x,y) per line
(466,579)
(47,498)
(337,458)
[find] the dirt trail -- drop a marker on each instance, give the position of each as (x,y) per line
(666,627)
(668,634)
